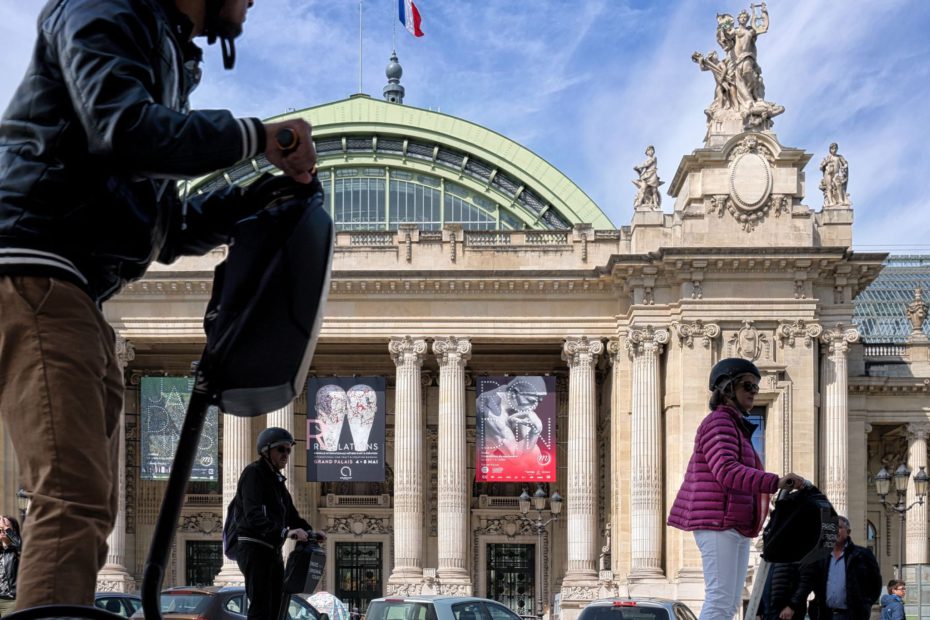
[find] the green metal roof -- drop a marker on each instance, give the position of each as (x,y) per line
(880,311)
(361,131)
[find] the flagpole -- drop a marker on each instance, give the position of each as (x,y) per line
(394,19)
(359,46)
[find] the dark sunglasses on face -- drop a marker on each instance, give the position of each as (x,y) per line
(283,449)
(749,386)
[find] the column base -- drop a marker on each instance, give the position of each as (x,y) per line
(229,575)
(691,575)
(115,578)
(646,574)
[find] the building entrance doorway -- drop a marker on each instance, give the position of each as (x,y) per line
(358,573)
(511,576)
(203,561)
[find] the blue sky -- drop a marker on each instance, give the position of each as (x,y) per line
(589,84)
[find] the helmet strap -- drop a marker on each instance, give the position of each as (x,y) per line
(229,52)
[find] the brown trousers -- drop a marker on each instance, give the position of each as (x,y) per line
(61,395)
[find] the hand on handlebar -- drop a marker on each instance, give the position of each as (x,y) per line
(289,146)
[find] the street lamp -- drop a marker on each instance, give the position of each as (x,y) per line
(538,504)
(22,502)
(901,476)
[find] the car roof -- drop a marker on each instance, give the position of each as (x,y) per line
(432,598)
(635,599)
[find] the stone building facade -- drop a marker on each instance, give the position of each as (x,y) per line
(459,254)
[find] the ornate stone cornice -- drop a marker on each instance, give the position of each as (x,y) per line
(407,350)
(788,333)
(888,385)
(838,338)
(452,350)
(577,351)
(686,332)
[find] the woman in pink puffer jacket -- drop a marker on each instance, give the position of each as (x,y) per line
(724,497)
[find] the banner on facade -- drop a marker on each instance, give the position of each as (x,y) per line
(345,429)
(515,429)
(163,407)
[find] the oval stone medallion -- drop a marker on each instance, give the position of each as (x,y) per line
(750,181)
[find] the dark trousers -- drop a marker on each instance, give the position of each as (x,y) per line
(263,570)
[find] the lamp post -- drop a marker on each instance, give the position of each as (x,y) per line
(538,505)
(22,502)
(901,477)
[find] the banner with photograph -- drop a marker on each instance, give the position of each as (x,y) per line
(163,407)
(345,429)
(515,429)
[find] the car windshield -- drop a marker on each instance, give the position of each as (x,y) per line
(399,610)
(183,602)
(623,612)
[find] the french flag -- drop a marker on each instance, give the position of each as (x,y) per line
(409,17)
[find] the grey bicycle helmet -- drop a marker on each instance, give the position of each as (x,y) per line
(730,368)
(272,437)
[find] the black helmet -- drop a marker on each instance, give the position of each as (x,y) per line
(729,369)
(272,437)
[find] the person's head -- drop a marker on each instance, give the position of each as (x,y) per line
(275,444)
(217,19)
(9,524)
(524,394)
(650,150)
(842,531)
(896,586)
(833,148)
(743,18)
(734,381)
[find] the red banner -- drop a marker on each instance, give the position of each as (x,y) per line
(515,429)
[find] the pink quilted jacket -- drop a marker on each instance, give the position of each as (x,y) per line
(725,486)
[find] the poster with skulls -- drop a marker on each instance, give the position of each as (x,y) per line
(515,429)
(345,429)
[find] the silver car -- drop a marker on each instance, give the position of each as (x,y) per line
(437,607)
(636,608)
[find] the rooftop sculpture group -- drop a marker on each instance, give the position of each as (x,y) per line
(740,92)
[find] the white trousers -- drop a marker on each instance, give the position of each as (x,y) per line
(725,556)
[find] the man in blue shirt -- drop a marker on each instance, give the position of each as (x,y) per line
(845,584)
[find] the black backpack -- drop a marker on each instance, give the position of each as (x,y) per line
(802,527)
(230,529)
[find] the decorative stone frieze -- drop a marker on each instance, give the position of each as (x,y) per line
(788,333)
(749,343)
(201,523)
(358,524)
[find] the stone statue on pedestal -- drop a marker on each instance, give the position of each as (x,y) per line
(740,92)
(648,196)
(835,176)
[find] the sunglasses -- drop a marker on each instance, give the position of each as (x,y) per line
(283,449)
(749,386)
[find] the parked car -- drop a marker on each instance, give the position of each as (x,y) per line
(218,603)
(437,607)
(118,602)
(636,608)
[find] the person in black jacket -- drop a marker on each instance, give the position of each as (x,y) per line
(846,583)
(776,603)
(91,146)
(267,518)
(11,546)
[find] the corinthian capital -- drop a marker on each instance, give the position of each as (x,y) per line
(687,332)
(646,340)
(577,351)
(451,349)
(125,351)
(788,333)
(407,350)
(839,338)
(918,430)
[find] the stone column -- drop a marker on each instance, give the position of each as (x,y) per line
(114,577)
(407,354)
(238,451)
(452,354)
(916,532)
(645,345)
(581,494)
(284,418)
(834,394)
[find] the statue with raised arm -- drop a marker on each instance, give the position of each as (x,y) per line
(835,177)
(740,91)
(648,196)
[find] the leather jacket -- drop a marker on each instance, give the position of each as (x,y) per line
(9,566)
(266,511)
(95,138)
